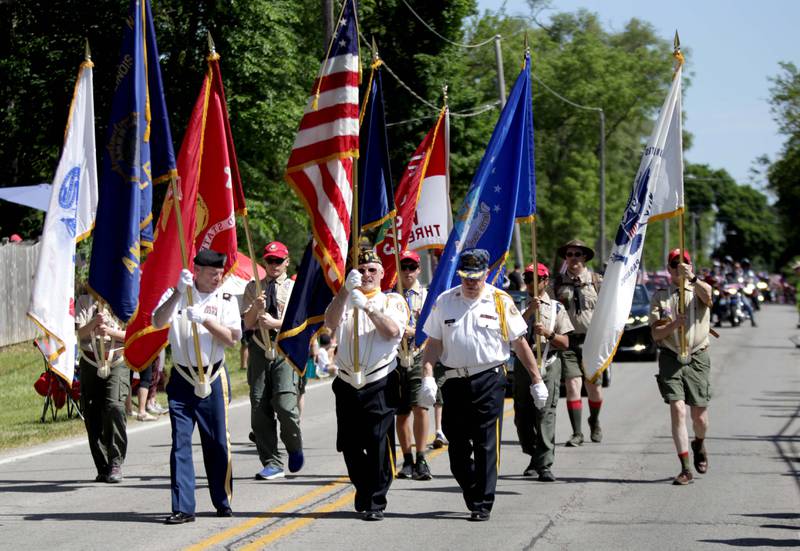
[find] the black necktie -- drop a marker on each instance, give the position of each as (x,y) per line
(579,304)
(271,305)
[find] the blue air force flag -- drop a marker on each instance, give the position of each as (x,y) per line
(138,153)
(657,194)
(70,217)
(502,192)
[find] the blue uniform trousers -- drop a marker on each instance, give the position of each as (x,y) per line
(471,422)
(211,416)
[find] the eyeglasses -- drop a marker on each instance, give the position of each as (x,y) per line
(363,271)
(576,254)
(275,261)
(408,267)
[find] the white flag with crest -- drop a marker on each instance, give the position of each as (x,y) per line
(657,194)
(70,218)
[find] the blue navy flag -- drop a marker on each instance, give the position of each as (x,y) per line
(502,192)
(138,153)
(375,193)
(305,312)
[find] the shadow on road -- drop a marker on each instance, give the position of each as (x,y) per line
(756,542)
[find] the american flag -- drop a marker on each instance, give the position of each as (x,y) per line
(320,167)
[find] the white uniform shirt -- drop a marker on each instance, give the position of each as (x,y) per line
(224,310)
(470,329)
(375,351)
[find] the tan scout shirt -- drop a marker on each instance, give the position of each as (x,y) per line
(562,324)
(415,299)
(565,293)
(283,290)
(85,310)
(664,306)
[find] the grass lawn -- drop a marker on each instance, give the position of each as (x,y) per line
(21,406)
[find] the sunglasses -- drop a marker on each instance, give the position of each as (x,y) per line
(571,254)
(275,261)
(363,271)
(408,267)
(674,264)
(529,278)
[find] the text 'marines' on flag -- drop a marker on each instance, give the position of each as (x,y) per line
(211,194)
(657,194)
(502,192)
(320,166)
(138,153)
(69,219)
(422,201)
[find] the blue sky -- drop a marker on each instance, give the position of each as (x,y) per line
(735,46)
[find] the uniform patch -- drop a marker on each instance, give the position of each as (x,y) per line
(488,316)
(450,321)
(514,311)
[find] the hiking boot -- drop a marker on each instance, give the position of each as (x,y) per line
(546,475)
(421,470)
(530,470)
(296,461)
(596,433)
(683,478)
(575,440)
(439,441)
(700,456)
(407,470)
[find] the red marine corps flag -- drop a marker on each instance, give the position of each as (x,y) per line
(422,202)
(211,195)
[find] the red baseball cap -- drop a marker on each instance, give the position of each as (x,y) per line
(409,255)
(675,253)
(541,271)
(15,238)
(276,249)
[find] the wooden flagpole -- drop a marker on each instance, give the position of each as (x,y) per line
(684,346)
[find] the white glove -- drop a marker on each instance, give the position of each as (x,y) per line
(358,299)
(428,391)
(195,314)
(353,280)
(184,280)
(540,394)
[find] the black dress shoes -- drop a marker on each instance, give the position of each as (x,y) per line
(480,515)
(224,512)
(372,515)
(179,518)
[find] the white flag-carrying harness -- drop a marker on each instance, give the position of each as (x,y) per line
(70,218)
(657,194)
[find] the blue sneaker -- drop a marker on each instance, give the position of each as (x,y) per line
(270,473)
(296,461)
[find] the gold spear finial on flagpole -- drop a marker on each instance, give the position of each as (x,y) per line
(676,42)
(87,53)
(211,47)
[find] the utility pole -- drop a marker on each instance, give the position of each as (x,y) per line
(327,23)
(602,246)
(501,91)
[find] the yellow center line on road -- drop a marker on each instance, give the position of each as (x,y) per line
(253,522)
(296,524)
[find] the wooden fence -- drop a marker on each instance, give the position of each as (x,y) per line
(17,268)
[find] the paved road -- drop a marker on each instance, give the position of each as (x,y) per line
(614,495)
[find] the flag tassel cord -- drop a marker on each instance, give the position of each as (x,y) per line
(185,261)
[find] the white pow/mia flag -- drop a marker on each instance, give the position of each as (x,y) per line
(657,194)
(70,218)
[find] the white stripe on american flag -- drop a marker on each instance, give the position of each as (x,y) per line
(328,214)
(322,132)
(339,175)
(347,62)
(345,94)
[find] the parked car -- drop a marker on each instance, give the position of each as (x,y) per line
(637,339)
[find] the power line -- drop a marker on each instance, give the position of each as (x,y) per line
(463,114)
(459,44)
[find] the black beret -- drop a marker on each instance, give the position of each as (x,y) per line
(212,259)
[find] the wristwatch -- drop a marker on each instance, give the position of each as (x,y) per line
(693,280)
(551,337)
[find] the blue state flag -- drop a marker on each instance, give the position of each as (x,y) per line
(502,192)
(305,312)
(375,193)
(138,153)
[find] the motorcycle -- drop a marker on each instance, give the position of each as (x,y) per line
(728,305)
